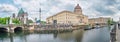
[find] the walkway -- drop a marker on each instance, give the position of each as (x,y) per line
(118,34)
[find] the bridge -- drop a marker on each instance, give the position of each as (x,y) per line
(14,28)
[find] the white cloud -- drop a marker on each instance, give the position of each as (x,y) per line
(8,9)
(54,10)
(51,7)
(30,6)
(113,8)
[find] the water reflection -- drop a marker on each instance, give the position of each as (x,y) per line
(97,35)
(75,36)
(25,36)
(11,37)
(3,36)
(78,34)
(55,35)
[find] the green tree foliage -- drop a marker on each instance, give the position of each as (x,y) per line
(15,21)
(7,19)
(4,20)
(29,21)
(110,21)
(43,22)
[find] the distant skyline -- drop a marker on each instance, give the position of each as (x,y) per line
(91,8)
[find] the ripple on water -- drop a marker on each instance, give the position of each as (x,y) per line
(97,35)
(94,35)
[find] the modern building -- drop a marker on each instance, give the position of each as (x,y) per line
(68,17)
(99,21)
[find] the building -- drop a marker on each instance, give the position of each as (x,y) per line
(13,16)
(22,16)
(68,17)
(98,21)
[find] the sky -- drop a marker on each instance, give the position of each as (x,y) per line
(91,8)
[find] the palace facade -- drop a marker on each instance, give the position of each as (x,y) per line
(68,17)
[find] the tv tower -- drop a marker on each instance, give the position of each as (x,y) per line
(40,15)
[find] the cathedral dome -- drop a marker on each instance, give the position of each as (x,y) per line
(21,11)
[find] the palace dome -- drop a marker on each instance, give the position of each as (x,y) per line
(77,7)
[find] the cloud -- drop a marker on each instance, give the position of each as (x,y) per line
(91,8)
(30,6)
(7,10)
(102,8)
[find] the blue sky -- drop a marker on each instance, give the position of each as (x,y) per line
(91,8)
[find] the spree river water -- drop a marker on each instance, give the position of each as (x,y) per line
(94,35)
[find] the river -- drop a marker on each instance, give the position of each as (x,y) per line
(94,35)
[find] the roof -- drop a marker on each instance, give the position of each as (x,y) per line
(100,17)
(77,7)
(21,11)
(63,12)
(59,13)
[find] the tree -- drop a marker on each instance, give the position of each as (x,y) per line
(3,20)
(29,21)
(43,22)
(110,22)
(6,20)
(15,21)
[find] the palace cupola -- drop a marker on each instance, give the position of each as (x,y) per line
(78,9)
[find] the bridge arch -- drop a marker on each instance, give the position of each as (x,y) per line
(3,30)
(18,29)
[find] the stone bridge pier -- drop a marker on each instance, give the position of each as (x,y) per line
(13,29)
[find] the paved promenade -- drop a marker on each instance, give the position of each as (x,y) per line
(118,34)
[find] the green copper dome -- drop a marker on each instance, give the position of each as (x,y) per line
(21,11)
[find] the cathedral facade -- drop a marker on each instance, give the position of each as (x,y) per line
(68,17)
(21,16)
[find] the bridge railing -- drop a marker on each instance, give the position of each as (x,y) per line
(11,25)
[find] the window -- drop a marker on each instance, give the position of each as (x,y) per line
(69,21)
(80,21)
